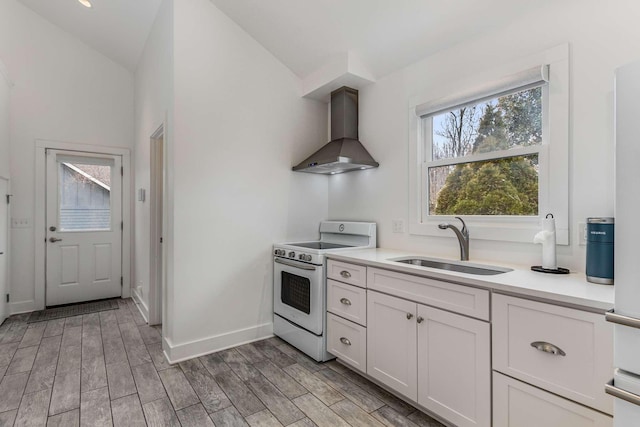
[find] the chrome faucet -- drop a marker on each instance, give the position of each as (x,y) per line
(462,235)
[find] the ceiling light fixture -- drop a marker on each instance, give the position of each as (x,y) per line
(85,3)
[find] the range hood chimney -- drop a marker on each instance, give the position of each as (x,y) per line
(344,153)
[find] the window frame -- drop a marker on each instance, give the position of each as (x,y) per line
(553,177)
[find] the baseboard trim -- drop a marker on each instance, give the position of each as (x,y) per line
(179,352)
(21,307)
(142,307)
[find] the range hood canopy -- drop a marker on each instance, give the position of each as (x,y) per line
(344,153)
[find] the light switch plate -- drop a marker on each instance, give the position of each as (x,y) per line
(20,222)
(582,233)
(398,226)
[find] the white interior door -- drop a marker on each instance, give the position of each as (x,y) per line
(4,246)
(84,227)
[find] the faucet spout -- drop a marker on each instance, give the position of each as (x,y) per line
(462,235)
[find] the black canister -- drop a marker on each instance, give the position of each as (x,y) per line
(600,232)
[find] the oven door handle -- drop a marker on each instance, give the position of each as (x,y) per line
(300,266)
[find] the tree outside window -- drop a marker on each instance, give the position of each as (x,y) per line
(504,184)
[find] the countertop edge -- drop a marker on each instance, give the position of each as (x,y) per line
(543,293)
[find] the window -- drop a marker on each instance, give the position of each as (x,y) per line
(484,157)
(495,154)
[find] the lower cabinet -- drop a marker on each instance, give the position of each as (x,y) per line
(516,404)
(392,348)
(439,359)
(454,366)
(347,341)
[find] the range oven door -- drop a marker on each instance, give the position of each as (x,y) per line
(298,293)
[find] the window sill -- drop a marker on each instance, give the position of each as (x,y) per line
(519,230)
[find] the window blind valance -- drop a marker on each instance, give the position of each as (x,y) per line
(522,80)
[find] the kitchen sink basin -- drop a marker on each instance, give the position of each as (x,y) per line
(460,267)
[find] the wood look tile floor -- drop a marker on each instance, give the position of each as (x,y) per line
(108,369)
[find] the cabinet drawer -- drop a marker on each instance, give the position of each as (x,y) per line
(516,404)
(585,339)
(461,299)
(347,341)
(347,301)
(347,273)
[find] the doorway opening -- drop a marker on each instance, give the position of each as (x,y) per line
(157,255)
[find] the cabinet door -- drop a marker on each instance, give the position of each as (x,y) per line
(454,367)
(391,342)
(516,404)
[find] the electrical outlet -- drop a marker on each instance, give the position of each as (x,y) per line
(398,226)
(20,222)
(582,233)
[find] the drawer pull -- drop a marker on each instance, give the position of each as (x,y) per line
(345,301)
(614,391)
(420,319)
(345,341)
(345,274)
(409,316)
(548,348)
(620,319)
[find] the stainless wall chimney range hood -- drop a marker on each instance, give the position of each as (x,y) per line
(344,153)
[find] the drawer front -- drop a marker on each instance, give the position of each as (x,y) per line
(348,273)
(586,340)
(347,301)
(347,341)
(516,404)
(461,299)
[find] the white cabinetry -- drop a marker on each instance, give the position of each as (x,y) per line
(567,354)
(392,348)
(454,367)
(347,313)
(439,359)
(516,404)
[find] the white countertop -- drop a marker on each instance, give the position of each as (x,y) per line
(570,289)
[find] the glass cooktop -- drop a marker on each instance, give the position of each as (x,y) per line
(320,245)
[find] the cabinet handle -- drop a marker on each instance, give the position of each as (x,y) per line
(409,316)
(345,301)
(614,391)
(613,317)
(420,319)
(345,341)
(345,274)
(548,348)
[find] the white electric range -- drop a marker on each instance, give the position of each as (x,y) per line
(299,283)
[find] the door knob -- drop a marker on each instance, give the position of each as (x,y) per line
(53,240)
(409,316)
(420,319)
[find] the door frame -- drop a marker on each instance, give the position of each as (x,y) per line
(39,222)
(157,287)
(7,306)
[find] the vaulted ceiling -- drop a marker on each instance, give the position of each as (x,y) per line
(305,35)
(116,28)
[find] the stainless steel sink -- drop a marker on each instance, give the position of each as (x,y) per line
(461,267)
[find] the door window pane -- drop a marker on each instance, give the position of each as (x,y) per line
(85,196)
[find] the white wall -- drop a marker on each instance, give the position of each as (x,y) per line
(239,126)
(153,105)
(5,96)
(63,91)
(602,36)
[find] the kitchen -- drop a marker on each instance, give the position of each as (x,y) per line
(197,62)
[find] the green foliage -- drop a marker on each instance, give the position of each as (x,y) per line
(500,187)
(523,116)
(507,186)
